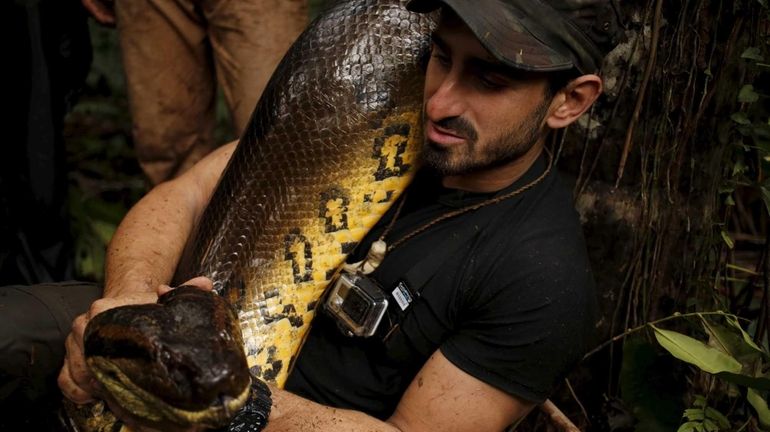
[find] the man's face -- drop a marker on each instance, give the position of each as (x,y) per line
(478,113)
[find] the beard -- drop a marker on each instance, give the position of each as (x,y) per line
(505,147)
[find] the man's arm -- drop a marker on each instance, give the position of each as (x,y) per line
(441,397)
(147,245)
(142,255)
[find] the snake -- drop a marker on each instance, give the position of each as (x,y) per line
(333,141)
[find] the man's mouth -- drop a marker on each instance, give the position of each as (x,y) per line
(442,137)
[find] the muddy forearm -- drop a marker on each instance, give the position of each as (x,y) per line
(145,249)
(148,243)
(293,413)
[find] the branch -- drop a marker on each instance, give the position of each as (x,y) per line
(558,418)
(642,89)
(668,318)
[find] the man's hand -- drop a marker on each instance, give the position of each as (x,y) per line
(200,282)
(103,11)
(145,248)
(75,380)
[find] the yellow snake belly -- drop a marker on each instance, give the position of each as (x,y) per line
(332,143)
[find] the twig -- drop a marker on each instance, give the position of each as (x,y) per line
(744,425)
(558,418)
(641,327)
(574,396)
(764,321)
(642,89)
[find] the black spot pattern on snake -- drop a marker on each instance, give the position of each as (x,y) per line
(299,250)
(389,150)
(334,208)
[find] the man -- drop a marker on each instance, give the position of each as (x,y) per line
(501,320)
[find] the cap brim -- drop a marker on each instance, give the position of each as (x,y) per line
(509,38)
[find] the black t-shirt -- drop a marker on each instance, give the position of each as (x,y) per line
(513,305)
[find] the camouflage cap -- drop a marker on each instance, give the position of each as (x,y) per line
(539,35)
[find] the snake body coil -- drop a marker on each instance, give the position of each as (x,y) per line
(332,143)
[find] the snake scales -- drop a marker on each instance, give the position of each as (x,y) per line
(331,144)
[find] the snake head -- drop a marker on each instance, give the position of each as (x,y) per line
(179,361)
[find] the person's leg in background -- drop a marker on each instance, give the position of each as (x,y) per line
(170,81)
(169,50)
(249,38)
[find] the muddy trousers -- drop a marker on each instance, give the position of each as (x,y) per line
(174,53)
(34,322)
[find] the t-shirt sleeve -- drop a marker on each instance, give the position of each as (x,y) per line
(528,315)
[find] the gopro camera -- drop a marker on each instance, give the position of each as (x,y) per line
(357,303)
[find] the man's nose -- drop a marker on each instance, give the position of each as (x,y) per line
(446,101)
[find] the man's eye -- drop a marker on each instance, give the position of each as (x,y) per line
(491,82)
(440,58)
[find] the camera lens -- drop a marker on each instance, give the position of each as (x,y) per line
(356,306)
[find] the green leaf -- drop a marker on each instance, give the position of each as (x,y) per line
(739,168)
(696,352)
(104,230)
(700,400)
(760,406)
(693,426)
(765,190)
(746,131)
(710,426)
(740,118)
(728,240)
(726,189)
(721,338)
(753,53)
(736,343)
(732,340)
(747,94)
(717,416)
(694,414)
(733,321)
(746,380)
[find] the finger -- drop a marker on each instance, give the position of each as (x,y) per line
(107,303)
(77,367)
(163,289)
(201,282)
(70,390)
(78,329)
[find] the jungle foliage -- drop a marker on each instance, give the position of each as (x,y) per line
(671,179)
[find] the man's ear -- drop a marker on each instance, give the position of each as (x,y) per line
(573,100)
